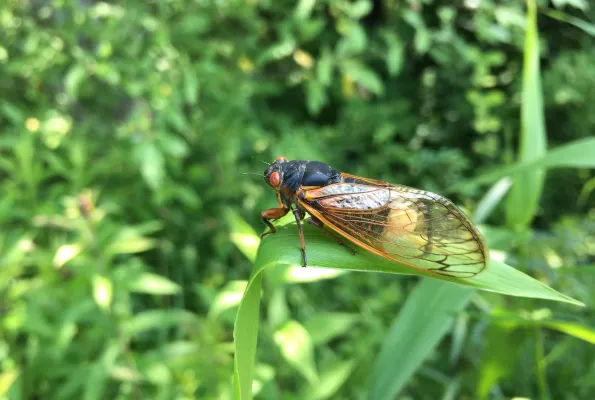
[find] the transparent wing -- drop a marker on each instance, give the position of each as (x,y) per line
(411,226)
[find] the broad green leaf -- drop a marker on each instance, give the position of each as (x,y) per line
(283,248)
(524,196)
(427,315)
(296,347)
(154,284)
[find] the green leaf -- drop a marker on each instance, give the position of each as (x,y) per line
(304,9)
(154,284)
(587,27)
(359,8)
(129,244)
(191,86)
(364,76)
(229,296)
(326,326)
(505,345)
(576,154)
(73,79)
(573,329)
(298,274)
(316,97)
(103,290)
(7,378)
(152,164)
(157,319)
(242,234)
(394,57)
(524,196)
(66,253)
(324,67)
(427,315)
(245,333)
(296,347)
(331,380)
(491,200)
(173,145)
(540,318)
(283,248)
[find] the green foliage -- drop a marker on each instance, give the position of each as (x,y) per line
(125,132)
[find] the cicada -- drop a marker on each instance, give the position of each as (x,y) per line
(409,226)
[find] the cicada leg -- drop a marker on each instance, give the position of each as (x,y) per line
(298,219)
(272,214)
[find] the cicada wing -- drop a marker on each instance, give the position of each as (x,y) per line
(414,227)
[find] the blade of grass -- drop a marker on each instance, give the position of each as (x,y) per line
(524,196)
(422,322)
(491,199)
(245,334)
(283,249)
(569,19)
(577,154)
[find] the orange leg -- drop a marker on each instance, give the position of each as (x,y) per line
(272,214)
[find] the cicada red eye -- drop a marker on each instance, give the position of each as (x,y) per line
(275,179)
(281,158)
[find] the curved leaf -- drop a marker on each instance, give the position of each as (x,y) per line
(283,248)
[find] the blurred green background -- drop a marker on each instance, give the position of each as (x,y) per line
(125,132)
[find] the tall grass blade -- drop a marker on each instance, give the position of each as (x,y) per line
(426,317)
(525,193)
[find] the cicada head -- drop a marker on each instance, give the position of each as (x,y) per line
(273,175)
